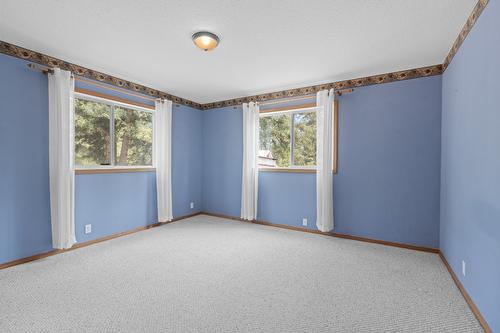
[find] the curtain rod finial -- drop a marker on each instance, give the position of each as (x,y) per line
(38,68)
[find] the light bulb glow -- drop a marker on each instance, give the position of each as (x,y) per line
(206,41)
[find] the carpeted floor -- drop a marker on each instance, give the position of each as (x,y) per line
(207,274)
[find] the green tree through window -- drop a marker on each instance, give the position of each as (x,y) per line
(291,138)
(304,148)
(94,139)
(92,133)
(274,134)
(133,137)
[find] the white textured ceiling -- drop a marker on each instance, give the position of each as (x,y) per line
(266,45)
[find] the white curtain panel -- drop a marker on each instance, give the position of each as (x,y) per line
(250,178)
(61,171)
(324,174)
(162,144)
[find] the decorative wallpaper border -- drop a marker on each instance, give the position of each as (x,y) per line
(42,59)
(476,12)
(353,83)
(46,60)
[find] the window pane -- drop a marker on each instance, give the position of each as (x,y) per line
(274,139)
(92,138)
(304,149)
(133,137)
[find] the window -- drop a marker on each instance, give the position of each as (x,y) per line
(108,133)
(288,139)
(133,137)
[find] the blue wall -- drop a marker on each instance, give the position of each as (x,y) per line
(113,203)
(110,202)
(222,160)
(187,169)
(24,163)
(287,198)
(387,186)
(470,187)
(388,182)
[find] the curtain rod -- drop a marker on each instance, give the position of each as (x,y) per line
(107,86)
(40,68)
(291,99)
(46,70)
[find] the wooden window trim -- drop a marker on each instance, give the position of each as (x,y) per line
(113,98)
(288,108)
(86,171)
(290,170)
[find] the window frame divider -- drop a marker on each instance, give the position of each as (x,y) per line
(112,137)
(292,140)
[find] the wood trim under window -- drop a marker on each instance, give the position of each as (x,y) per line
(113,98)
(86,171)
(292,170)
(286,108)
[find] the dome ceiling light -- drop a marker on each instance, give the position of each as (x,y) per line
(205,40)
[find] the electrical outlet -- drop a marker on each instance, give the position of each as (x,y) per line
(88,228)
(463,268)
(304,222)
(191,205)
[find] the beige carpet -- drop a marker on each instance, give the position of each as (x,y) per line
(207,274)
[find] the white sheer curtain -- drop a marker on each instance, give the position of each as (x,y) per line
(162,144)
(250,178)
(61,147)
(324,175)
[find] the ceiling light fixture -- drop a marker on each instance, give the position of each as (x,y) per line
(205,40)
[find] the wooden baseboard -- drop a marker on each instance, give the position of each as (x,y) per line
(91,242)
(466,296)
(223,216)
(331,234)
(387,243)
(30,258)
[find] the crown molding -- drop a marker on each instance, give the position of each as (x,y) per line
(42,59)
(473,17)
(346,84)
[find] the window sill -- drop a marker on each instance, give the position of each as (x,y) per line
(86,171)
(292,170)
